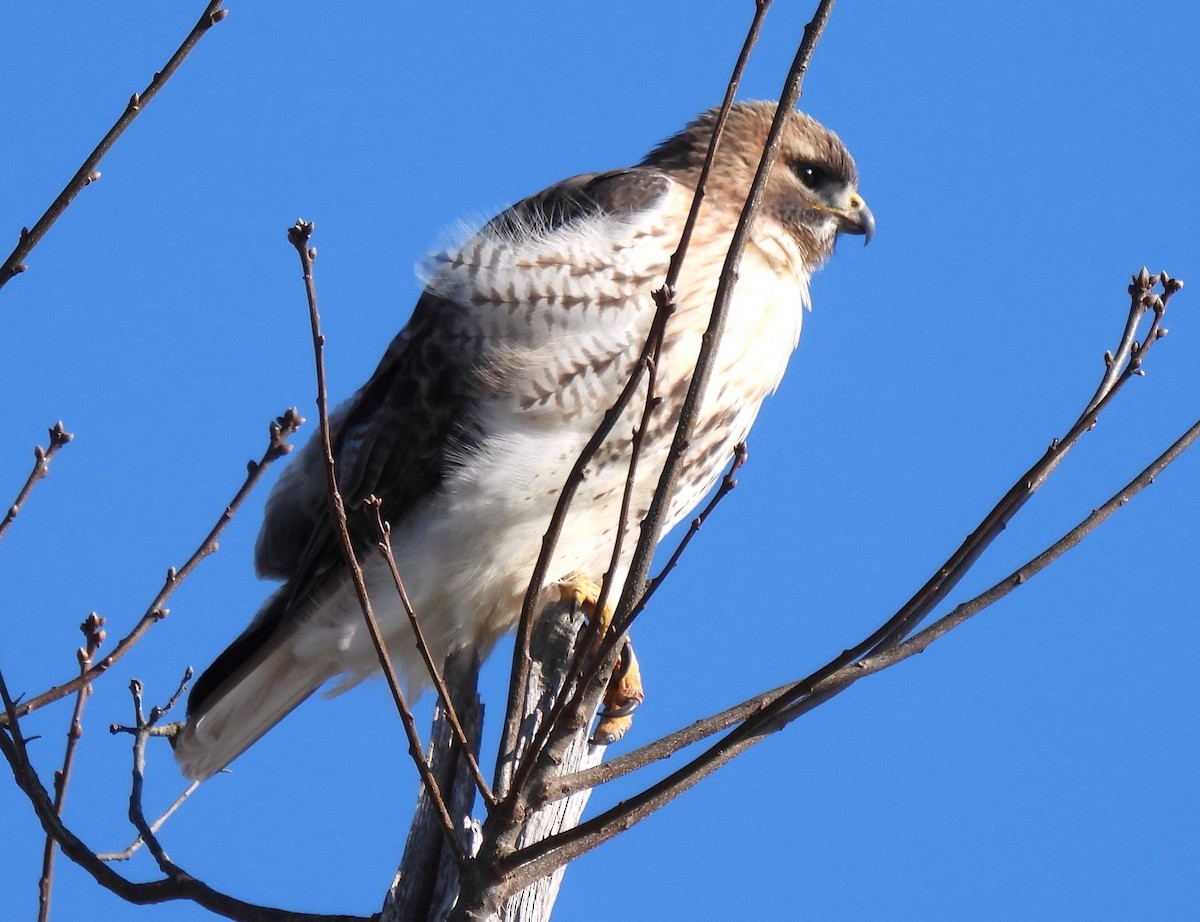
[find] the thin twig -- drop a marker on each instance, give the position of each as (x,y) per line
(652,525)
(30,237)
(1117,363)
(922,639)
(41,467)
(138,842)
(728,483)
(299,235)
(550,789)
(278,446)
(735,79)
(435,674)
(141,731)
(1126,363)
(93,633)
(427,879)
(519,676)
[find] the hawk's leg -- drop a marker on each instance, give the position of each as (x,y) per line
(624,692)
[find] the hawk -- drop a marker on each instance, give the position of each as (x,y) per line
(523,338)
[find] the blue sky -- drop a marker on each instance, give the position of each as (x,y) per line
(1021,160)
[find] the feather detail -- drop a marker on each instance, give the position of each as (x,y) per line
(243,709)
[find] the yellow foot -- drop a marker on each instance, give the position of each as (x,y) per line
(584,592)
(625,691)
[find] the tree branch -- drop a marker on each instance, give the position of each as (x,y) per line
(278,446)
(181,887)
(447,704)
(299,235)
(426,883)
(86,174)
(767,713)
(653,523)
(93,632)
(141,731)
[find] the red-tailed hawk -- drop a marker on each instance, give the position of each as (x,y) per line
(523,337)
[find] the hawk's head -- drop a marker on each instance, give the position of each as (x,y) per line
(812,191)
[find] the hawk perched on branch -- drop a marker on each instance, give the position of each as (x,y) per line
(523,338)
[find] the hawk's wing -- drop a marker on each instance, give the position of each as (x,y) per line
(399,434)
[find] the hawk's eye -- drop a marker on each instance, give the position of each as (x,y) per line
(810,174)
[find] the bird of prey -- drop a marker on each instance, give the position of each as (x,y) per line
(523,338)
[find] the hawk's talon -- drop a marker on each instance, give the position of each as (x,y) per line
(583,594)
(622,697)
(623,711)
(624,663)
(624,692)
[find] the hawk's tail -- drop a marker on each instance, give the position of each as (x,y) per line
(250,687)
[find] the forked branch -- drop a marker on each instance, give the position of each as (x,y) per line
(179,886)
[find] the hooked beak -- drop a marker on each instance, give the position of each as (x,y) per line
(857,219)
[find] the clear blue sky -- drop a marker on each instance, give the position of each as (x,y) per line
(1021,160)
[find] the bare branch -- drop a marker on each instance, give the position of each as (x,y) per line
(426,883)
(451,716)
(141,731)
(918,642)
(652,524)
(522,661)
(664,300)
(93,633)
(765,714)
(735,78)
(41,467)
(1118,370)
(181,887)
(87,173)
(299,235)
(656,751)
(728,483)
(581,687)
(278,446)
(138,842)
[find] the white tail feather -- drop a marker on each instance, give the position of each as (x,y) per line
(245,708)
